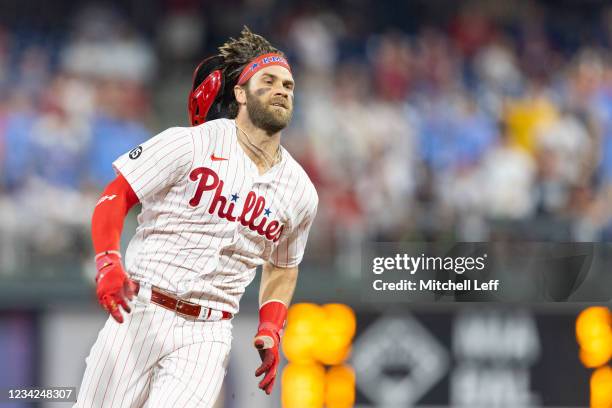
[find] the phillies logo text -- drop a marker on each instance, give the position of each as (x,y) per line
(254,205)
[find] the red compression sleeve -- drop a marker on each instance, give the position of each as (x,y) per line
(107,220)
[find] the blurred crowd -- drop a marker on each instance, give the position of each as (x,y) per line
(485,124)
(68,109)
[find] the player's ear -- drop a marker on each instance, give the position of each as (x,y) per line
(240,94)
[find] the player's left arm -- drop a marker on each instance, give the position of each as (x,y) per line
(278,280)
(275,293)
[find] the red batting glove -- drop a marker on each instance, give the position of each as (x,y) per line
(113,284)
(272,317)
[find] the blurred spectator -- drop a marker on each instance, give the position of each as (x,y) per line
(392,67)
(116,128)
(497,73)
(568,145)
(471,29)
(506,181)
(18,125)
(104,45)
(59,140)
(525,116)
(454,133)
(313,38)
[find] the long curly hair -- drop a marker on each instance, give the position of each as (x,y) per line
(233,56)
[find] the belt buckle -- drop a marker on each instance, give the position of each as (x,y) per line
(183,302)
(177,307)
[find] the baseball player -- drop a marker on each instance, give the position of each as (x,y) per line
(218,200)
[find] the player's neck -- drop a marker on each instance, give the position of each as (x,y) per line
(267,142)
(261,147)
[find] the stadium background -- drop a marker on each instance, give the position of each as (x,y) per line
(416,120)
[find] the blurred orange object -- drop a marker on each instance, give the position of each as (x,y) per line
(304,321)
(303,386)
(601,388)
(341,319)
(332,353)
(298,347)
(340,387)
(319,333)
(594,335)
(305,318)
(336,334)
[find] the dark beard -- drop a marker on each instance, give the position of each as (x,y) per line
(264,117)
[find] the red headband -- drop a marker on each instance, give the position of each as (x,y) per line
(259,63)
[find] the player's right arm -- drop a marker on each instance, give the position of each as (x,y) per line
(113,286)
(143,172)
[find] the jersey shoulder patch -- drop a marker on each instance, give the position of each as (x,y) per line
(135,152)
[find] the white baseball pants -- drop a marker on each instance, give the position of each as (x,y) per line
(156,358)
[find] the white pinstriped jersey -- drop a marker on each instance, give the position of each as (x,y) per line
(208,218)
